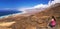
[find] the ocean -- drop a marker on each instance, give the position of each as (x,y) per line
(8,12)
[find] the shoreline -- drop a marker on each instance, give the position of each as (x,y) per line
(10,15)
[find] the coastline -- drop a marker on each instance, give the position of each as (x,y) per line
(9,15)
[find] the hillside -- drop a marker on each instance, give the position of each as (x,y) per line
(54,10)
(39,20)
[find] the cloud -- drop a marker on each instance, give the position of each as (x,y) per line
(38,7)
(53,2)
(41,5)
(56,1)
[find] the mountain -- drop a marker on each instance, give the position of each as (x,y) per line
(54,10)
(38,20)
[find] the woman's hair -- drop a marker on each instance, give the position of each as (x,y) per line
(53,18)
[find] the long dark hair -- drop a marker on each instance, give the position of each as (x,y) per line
(53,18)
(50,22)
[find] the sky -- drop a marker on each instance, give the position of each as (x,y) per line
(21,3)
(13,6)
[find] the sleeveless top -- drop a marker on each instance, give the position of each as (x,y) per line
(53,22)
